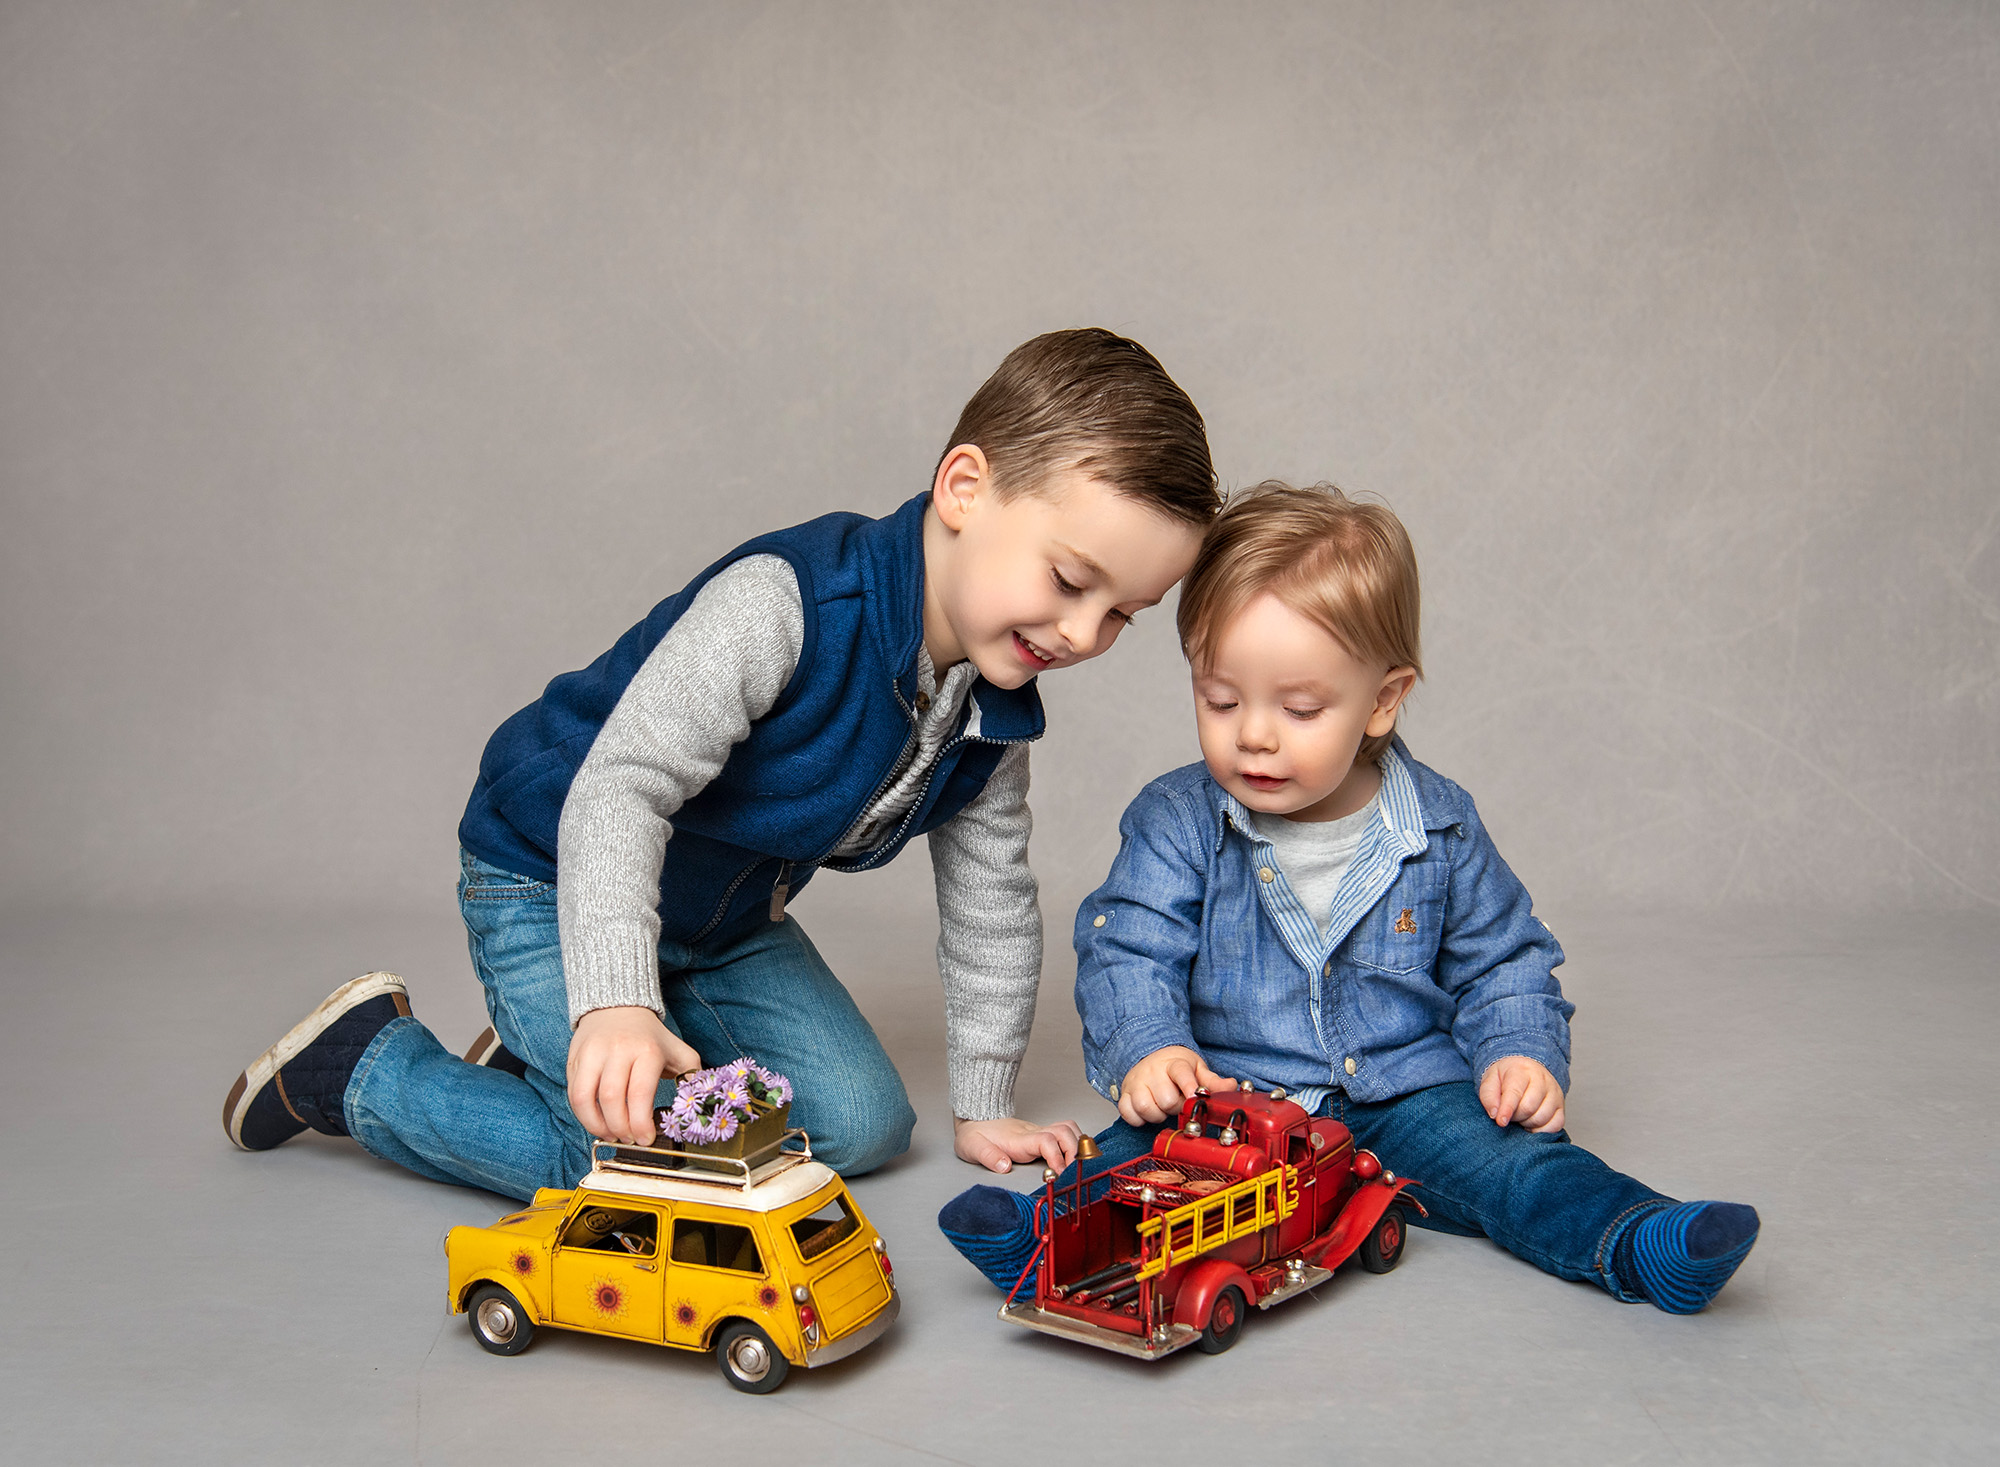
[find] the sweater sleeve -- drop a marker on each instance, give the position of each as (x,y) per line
(989,939)
(719,669)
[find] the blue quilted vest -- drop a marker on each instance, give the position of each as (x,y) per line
(792,789)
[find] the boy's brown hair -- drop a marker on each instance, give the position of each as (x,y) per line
(1346,565)
(1092,400)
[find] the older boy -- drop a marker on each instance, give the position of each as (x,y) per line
(815,698)
(1311,908)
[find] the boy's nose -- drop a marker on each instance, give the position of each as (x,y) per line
(1253,736)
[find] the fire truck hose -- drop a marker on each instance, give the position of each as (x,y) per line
(1123,1268)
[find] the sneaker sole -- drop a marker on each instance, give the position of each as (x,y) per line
(248,1084)
(484,1047)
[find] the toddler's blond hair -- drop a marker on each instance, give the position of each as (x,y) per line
(1347,565)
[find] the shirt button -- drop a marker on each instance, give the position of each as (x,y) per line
(1350,1064)
(1098,920)
(1327,971)
(1114,1089)
(1265,873)
(923,702)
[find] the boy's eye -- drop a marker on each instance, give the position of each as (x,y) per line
(1124,617)
(1217,706)
(1304,713)
(1064,586)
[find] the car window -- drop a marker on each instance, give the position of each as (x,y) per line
(605,1229)
(833,1223)
(710,1244)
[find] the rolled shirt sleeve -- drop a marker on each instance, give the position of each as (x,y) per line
(1137,939)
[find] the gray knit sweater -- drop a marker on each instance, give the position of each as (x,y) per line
(718,670)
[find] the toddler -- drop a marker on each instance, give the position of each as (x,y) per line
(1311,908)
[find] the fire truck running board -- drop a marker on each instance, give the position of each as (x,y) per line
(1312,1278)
(1178,1336)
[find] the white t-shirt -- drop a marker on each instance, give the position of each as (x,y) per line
(1314,854)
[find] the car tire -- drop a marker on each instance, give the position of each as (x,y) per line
(1382,1249)
(499,1322)
(749,1361)
(1225,1322)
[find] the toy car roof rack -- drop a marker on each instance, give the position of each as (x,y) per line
(702,1166)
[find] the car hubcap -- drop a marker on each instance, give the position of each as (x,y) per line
(496,1321)
(749,1359)
(1225,1316)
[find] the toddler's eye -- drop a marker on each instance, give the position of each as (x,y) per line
(1125,617)
(1215,707)
(1303,714)
(1064,586)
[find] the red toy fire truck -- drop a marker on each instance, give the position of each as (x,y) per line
(1247,1200)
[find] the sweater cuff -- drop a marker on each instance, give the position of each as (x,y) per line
(983,1089)
(614,967)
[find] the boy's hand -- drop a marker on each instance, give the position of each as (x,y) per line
(997,1145)
(1522,1091)
(616,1060)
(1153,1089)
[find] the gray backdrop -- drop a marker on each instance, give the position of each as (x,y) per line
(365,365)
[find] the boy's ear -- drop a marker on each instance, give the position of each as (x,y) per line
(961,478)
(1396,685)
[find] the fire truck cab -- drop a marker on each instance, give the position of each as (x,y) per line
(1246,1200)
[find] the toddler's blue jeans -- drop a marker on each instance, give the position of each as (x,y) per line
(1540,1196)
(761,991)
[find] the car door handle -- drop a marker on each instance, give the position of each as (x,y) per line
(647,1267)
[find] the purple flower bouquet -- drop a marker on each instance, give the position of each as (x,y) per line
(733,1110)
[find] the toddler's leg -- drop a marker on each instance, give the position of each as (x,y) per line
(993,1227)
(413,1102)
(765,992)
(1546,1199)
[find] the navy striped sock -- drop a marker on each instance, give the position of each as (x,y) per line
(994,1229)
(1681,1256)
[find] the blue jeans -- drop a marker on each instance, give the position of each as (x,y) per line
(760,990)
(1540,1196)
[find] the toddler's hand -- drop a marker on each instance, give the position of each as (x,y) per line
(1153,1089)
(616,1060)
(1522,1091)
(997,1145)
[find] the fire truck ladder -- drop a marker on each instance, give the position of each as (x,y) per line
(1194,1228)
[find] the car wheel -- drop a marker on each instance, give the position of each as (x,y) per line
(1382,1249)
(1225,1322)
(749,1360)
(498,1321)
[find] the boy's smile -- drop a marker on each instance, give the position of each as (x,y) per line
(1282,709)
(1044,579)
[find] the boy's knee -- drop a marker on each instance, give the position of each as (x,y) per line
(857,1138)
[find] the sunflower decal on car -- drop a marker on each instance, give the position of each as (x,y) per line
(684,1314)
(607,1297)
(523,1263)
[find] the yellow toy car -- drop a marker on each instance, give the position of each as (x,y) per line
(765,1260)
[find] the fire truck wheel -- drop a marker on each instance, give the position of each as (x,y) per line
(1225,1322)
(749,1360)
(1382,1249)
(499,1322)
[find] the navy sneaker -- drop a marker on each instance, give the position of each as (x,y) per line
(489,1052)
(301,1081)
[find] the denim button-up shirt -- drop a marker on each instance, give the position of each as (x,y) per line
(1433,967)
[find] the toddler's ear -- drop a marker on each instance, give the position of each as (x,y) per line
(1396,685)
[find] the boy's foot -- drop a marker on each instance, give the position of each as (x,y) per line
(1681,1256)
(994,1229)
(301,1081)
(487,1050)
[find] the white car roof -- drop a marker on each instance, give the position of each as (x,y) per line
(793,1183)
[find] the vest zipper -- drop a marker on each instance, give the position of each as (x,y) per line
(781,890)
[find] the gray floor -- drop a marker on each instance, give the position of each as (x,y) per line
(172,1300)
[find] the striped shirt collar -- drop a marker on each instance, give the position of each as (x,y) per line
(1402,813)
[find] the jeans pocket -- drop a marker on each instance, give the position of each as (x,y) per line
(482,882)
